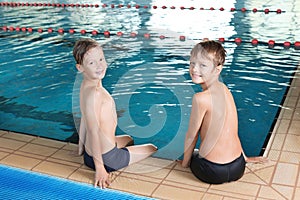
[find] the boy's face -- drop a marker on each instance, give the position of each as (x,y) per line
(202,69)
(94,64)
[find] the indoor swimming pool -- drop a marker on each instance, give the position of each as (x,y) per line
(147,48)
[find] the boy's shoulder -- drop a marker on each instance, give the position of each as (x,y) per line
(203,97)
(91,92)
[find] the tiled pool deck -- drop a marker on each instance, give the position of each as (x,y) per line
(163,179)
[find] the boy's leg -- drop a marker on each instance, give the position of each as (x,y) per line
(140,152)
(124,140)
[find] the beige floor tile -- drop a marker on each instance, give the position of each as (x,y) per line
(291,143)
(3,154)
(157,162)
(49,143)
(173,193)
(295,128)
(270,193)
(290,157)
(297,194)
(282,177)
(283,126)
(19,137)
(82,175)
(278,141)
(274,155)
(265,174)
(238,188)
(2,132)
(154,175)
(29,155)
(20,161)
(140,168)
(185,178)
(202,188)
(38,149)
(287,113)
(252,178)
(236,198)
(212,197)
(294,91)
(231,195)
(54,169)
(296,116)
(10,143)
(134,186)
(291,102)
(71,147)
(63,162)
(285,191)
(68,156)
(298,181)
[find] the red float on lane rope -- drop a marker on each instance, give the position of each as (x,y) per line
(297,45)
(133,34)
(271,42)
(106,33)
(147,35)
(254,42)
(222,40)
(238,40)
(182,38)
(119,33)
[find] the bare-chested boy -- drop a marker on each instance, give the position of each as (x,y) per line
(220,157)
(103,151)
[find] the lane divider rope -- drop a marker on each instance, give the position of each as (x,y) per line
(137,6)
(271,43)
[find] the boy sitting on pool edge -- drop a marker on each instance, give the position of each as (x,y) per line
(220,157)
(102,150)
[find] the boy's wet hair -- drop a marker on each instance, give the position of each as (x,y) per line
(210,49)
(81,47)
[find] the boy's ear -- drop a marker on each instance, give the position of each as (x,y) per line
(79,67)
(219,68)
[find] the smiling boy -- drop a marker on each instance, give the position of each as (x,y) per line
(102,150)
(220,157)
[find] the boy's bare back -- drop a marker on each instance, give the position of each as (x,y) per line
(219,131)
(104,112)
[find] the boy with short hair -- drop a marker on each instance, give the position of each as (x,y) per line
(102,150)
(220,157)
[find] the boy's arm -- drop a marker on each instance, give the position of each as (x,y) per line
(91,112)
(82,135)
(192,134)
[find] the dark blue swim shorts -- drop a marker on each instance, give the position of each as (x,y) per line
(114,159)
(215,173)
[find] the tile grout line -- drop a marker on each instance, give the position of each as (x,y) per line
(296,184)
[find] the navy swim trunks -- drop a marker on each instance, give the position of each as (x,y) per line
(114,159)
(214,173)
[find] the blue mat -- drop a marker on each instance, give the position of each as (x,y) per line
(21,184)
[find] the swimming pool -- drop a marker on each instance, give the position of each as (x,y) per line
(147,76)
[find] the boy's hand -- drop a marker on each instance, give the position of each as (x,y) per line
(259,159)
(102,179)
(180,162)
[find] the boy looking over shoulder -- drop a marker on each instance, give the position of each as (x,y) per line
(213,117)
(101,149)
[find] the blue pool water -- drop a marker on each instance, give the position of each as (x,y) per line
(148,78)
